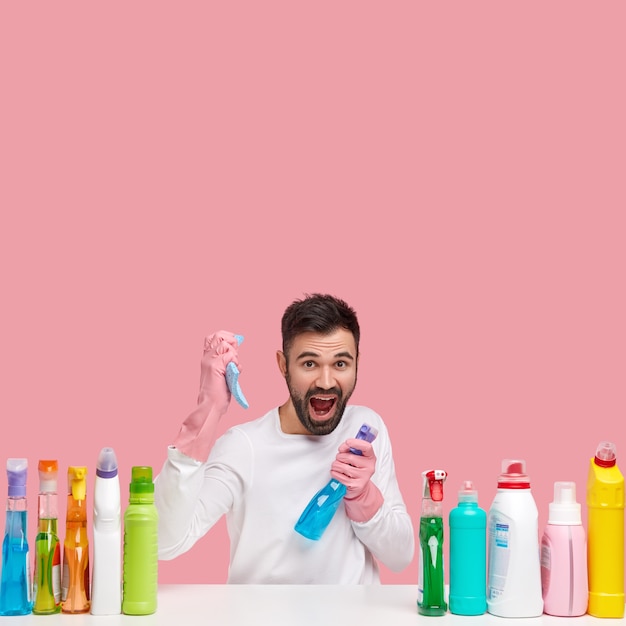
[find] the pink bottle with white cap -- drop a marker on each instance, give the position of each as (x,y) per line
(564,555)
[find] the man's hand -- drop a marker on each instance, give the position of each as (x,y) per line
(363,498)
(197,432)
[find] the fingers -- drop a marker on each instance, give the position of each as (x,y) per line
(222,344)
(364,447)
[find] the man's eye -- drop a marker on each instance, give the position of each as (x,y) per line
(341,364)
(309,364)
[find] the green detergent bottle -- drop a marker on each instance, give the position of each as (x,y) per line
(140,576)
(430,588)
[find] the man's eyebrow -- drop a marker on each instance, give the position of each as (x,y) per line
(338,355)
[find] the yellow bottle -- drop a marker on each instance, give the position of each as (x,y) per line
(605,534)
(75,584)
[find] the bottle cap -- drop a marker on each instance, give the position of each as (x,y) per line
(106,466)
(564,510)
(16,473)
(606,454)
(48,471)
(513,475)
(467,493)
(141,480)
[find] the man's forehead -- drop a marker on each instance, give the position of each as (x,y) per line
(337,343)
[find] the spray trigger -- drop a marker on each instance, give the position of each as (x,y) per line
(435,480)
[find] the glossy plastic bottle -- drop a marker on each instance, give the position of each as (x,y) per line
(514,569)
(47,575)
(564,555)
(140,546)
(605,533)
(75,585)
(468,554)
(106,575)
(322,507)
(16,584)
(430,585)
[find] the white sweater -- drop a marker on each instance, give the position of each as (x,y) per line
(262,479)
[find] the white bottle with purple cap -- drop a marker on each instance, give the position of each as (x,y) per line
(106,586)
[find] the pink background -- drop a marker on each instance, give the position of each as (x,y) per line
(455,171)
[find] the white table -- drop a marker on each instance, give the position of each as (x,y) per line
(291,605)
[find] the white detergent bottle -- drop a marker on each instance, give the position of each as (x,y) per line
(514,570)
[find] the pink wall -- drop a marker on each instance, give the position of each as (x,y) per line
(454,171)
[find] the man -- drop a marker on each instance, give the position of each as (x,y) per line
(263,473)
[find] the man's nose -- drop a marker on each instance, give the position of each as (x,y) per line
(326,378)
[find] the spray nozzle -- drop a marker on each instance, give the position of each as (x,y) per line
(77,481)
(433,484)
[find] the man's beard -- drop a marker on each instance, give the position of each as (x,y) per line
(301,406)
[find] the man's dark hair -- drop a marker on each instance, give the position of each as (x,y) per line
(318,313)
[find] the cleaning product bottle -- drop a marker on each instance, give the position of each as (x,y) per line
(106,574)
(324,504)
(47,575)
(564,555)
(75,585)
(514,569)
(468,554)
(140,546)
(605,533)
(430,587)
(16,583)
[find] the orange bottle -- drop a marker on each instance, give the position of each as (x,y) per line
(75,585)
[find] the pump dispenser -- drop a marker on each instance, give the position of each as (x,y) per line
(430,588)
(468,551)
(47,579)
(514,570)
(75,586)
(605,528)
(564,555)
(16,583)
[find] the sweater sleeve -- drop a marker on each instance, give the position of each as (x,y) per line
(389,535)
(191,496)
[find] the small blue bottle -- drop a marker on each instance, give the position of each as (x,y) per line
(16,583)
(468,554)
(324,504)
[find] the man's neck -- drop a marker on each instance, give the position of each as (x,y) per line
(289,422)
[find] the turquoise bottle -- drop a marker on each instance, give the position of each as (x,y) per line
(140,570)
(468,554)
(430,587)
(16,585)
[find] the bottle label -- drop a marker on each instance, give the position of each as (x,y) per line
(56,574)
(499,554)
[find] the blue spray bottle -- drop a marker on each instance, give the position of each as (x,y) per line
(322,507)
(16,584)
(430,587)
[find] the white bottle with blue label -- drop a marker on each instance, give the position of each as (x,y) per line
(514,566)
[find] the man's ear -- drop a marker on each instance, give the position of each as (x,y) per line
(282,363)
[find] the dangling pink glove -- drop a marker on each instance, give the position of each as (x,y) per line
(197,432)
(363,498)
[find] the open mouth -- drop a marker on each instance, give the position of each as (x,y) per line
(322,406)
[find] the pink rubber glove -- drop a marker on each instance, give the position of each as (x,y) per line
(363,498)
(197,432)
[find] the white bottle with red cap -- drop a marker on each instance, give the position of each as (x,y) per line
(514,568)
